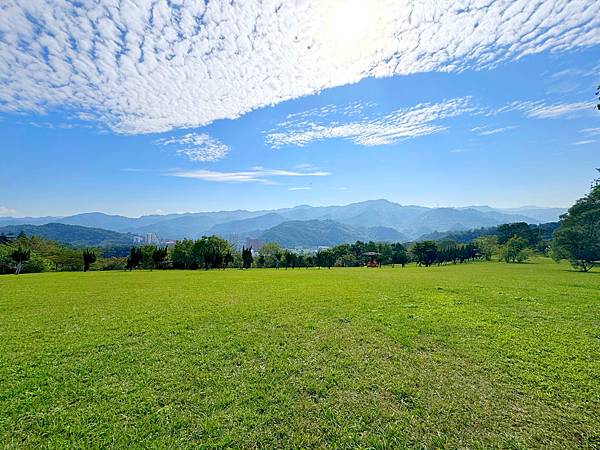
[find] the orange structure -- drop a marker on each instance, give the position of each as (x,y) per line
(372,259)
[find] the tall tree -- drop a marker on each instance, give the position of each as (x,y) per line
(228,259)
(20,256)
(159,256)
(89,257)
(247,257)
(578,237)
(290,259)
(135,258)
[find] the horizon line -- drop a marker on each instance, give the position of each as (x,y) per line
(62,216)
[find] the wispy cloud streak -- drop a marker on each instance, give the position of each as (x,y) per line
(402,124)
(259,175)
(542,110)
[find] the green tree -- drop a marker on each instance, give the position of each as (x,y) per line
(135,258)
(159,256)
(486,246)
(520,229)
(289,259)
(181,255)
(385,253)
(228,259)
(578,237)
(147,251)
(400,254)
(346,260)
(515,250)
(247,258)
(65,259)
(425,253)
(210,252)
(270,254)
(325,258)
(20,256)
(89,257)
(198,252)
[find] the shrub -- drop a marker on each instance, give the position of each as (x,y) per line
(113,263)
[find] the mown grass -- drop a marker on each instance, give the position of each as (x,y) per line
(477,355)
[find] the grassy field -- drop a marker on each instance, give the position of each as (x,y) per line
(477,355)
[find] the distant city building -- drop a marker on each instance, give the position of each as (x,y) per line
(138,239)
(151,238)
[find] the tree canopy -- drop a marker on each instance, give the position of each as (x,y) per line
(425,252)
(89,257)
(515,250)
(578,238)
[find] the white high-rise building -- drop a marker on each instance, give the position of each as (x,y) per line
(151,238)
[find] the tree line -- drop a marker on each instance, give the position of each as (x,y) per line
(576,239)
(34,254)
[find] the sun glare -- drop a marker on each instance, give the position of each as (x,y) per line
(349,22)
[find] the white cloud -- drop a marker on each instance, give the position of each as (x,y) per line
(197,147)
(482,131)
(349,110)
(306,166)
(588,141)
(541,110)
(402,124)
(150,66)
(255,175)
(567,73)
(306,188)
(591,131)
(4,211)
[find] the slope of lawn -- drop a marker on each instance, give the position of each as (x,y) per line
(474,355)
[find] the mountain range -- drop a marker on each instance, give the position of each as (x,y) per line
(316,233)
(356,219)
(75,235)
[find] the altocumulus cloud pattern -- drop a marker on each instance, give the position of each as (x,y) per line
(141,66)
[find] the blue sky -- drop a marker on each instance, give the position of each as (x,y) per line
(503,125)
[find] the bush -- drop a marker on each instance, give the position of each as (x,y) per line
(113,263)
(36,264)
(6,264)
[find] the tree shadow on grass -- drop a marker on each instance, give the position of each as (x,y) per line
(589,272)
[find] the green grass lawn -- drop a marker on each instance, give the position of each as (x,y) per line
(474,355)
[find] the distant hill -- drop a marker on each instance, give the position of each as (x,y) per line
(539,214)
(71,234)
(381,234)
(544,230)
(243,226)
(410,220)
(316,233)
